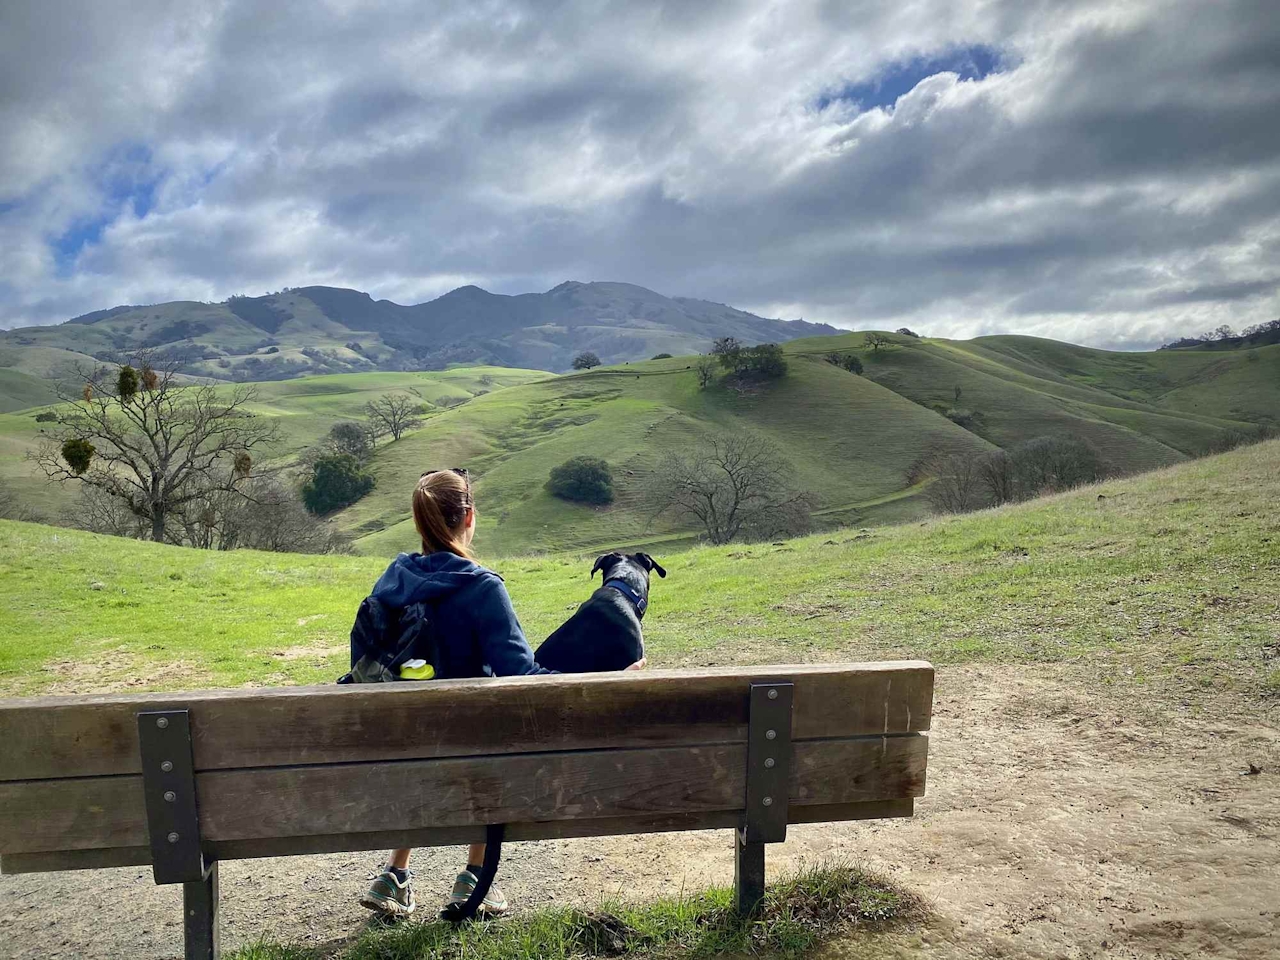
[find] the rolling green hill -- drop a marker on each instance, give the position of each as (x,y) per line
(307,407)
(851,440)
(1168,578)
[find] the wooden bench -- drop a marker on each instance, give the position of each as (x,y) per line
(182,781)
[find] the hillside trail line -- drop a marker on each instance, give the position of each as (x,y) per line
(1062,820)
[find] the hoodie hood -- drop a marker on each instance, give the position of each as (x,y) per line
(416,578)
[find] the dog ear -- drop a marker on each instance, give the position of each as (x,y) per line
(603,563)
(649,563)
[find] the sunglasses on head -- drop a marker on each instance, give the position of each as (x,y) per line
(460,471)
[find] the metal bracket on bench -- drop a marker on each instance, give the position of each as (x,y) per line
(768,763)
(169,787)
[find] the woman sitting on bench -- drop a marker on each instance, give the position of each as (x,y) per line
(476,635)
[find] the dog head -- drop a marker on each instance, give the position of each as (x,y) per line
(633,569)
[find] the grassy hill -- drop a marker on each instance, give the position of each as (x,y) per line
(1170,578)
(1141,410)
(307,407)
(851,440)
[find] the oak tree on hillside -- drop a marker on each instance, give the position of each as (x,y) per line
(876,340)
(585,361)
(394,413)
(150,441)
(730,486)
(705,369)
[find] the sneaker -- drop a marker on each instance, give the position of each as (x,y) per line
(494,903)
(389,896)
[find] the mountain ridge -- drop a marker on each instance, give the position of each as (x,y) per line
(320,329)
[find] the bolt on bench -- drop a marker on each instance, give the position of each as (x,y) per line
(181,781)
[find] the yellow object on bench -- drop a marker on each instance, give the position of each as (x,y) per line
(417,670)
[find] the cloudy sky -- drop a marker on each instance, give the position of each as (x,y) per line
(1103,172)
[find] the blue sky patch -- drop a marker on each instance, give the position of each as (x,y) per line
(884,89)
(127,180)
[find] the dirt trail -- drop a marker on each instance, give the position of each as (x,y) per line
(1057,825)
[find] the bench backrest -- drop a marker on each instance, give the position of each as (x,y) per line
(318,769)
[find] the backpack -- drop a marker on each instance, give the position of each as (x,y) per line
(383,638)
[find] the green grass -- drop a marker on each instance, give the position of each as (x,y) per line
(1171,580)
(306,408)
(19,390)
(851,440)
(798,913)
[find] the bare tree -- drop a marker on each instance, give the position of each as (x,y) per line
(705,369)
(11,508)
(98,511)
(262,514)
(394,413)
(149,440)
(729,485)
(997,476)
(957,483)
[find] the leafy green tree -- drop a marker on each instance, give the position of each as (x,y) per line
(661,356)
(336,481)
(765,361)
(851,363)
(585,361)
(728,350)
(582,479)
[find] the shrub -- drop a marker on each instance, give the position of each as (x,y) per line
(46,416)
(661,356)
(336,481)
(852,364)
(583,480)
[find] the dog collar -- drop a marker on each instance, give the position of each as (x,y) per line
(624,588)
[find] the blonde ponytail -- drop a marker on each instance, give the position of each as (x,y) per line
(440,505)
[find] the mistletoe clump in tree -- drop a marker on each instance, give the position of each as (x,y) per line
(151,443)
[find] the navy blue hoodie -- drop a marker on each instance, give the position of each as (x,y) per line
(476,629)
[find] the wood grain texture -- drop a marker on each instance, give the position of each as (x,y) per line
(442,794)
(453,836)
(46,737)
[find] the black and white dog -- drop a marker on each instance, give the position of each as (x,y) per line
(604,633)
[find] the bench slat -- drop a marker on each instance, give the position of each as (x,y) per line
(47,738)
(452,836)
(260,804)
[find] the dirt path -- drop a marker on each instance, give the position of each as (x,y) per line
(1057,825)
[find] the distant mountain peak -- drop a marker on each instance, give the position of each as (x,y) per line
(325,329)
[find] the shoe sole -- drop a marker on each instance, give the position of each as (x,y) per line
(393,908)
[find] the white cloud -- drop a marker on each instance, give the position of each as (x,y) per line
(1117,183)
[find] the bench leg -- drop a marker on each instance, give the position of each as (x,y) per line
(748,875)
(200,916)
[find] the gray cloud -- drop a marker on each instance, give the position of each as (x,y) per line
(1116,182)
